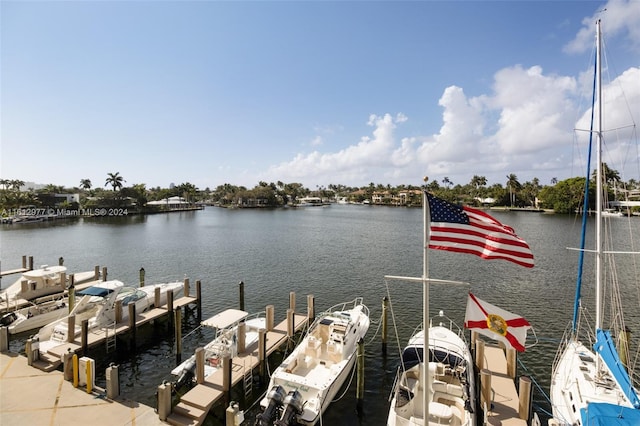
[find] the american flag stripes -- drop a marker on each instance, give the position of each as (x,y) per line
(472,231)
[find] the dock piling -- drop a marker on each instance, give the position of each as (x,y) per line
(525,396)
(311,308)
(200,365)
(385,314)
(242,334)
(226,378)
(292,300)
(60,261)
(269,313)
(241,295)
(360,376)
(156,297)
(512,363)
(262,349)
(24,262)
(84,339)
(199,299)
(96,273)
(485,385)
(141,277)
(113,381)
(31,263)
(178,331)
(132,325)
(187,289)
(104,273)
(164,401)
(4,339)
(71,328)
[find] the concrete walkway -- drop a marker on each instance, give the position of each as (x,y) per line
(29,396)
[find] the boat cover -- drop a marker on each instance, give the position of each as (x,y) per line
(606,349)
(603,414)
(225,318)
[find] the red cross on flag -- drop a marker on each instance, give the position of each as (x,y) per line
(496,323)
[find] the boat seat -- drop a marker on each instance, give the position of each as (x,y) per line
(440,413)
(313,347)
(454,390)
(439,386)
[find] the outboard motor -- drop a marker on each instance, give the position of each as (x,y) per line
(276,398)
(8,318)
(187,375)
(292,407)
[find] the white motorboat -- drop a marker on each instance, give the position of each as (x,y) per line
(37,283)
(37,314)
(98,306)
(450,382)
(306,382)
(592,380)
(224,344)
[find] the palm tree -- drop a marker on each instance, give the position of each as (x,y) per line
(85,184)
(115,180)
(514,186)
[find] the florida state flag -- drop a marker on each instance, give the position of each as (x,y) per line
(496,323)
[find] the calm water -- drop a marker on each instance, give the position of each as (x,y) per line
(335,253)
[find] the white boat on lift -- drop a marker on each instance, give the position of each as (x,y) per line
(306,382)
(98,305)
(37,283)
(225,342)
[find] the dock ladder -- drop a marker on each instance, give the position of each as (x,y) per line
(110,337)
(247,381)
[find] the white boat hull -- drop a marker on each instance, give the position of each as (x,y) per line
(320,365)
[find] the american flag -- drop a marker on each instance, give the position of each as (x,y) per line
(467,230)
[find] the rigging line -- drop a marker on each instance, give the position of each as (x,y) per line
(376,333)
(395,327)
(353,371)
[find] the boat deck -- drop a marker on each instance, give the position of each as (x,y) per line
(196,403)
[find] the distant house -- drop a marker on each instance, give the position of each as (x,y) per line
(170,203)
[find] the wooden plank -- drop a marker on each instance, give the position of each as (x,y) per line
(505,404)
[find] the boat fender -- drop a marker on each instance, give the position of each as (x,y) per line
(293,404)
(275,397)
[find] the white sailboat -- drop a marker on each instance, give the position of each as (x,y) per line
(306,382)
(590,384)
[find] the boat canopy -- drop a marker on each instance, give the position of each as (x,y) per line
(413,355)
(225,318)
(47,271)
(103,289)
(603,414)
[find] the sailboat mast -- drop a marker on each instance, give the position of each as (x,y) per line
(599,177)
(425,303)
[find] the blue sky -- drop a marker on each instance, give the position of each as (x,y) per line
(315,92)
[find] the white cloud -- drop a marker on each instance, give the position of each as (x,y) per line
(618,16)
(523,126)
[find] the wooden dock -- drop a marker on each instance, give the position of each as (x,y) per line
(505,402)
(196,403)
(107,336)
